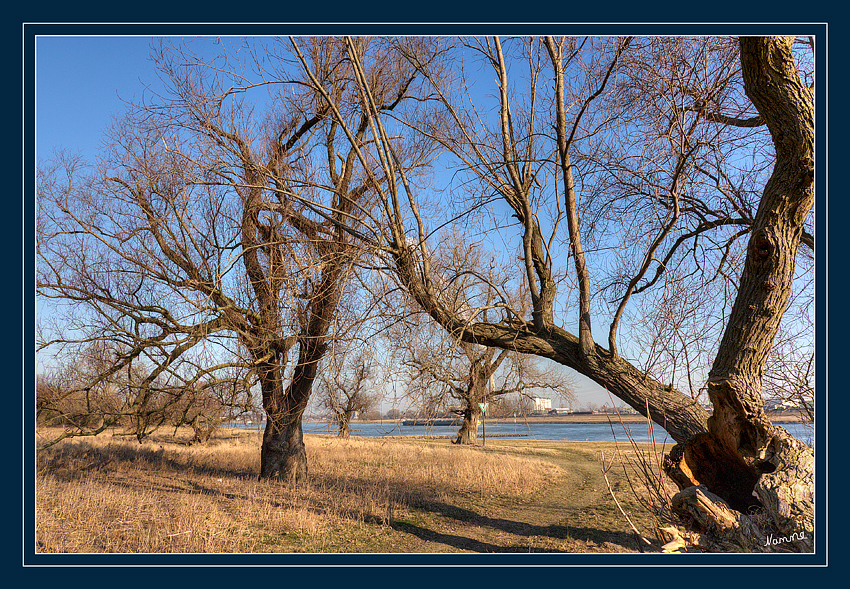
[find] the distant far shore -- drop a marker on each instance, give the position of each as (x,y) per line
(775,417)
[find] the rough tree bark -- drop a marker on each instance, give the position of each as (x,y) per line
(468,432)
(283,451)
(743,458)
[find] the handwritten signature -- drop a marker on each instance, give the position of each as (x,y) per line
(782,539)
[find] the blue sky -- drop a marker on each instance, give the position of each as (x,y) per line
(81,83)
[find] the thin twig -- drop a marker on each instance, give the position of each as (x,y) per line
(620,507)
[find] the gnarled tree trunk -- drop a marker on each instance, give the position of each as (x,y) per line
(345,425)
(744,458)
(468,433)
(283,453)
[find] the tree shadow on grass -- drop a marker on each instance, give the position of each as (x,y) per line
(459,542)
(584,534)
(77,463)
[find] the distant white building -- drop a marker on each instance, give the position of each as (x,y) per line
(542,404)
(780,405)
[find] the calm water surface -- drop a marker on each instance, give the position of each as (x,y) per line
(592,432)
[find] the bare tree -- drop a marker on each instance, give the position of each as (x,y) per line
(457,375)
(679,188)
(208,405)
(460,376)
(210,239)
(347,388)
(614,176)
(85,395)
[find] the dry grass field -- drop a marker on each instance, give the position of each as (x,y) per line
(110,494)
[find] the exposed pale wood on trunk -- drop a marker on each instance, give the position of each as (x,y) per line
(743,452)
(727,530)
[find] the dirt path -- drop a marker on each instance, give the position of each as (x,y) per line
(577,514)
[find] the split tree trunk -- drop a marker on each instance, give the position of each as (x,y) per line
(744,458)
(282,454)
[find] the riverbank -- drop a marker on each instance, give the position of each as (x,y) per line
(591,418)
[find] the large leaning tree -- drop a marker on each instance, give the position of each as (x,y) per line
(442,370)
(216,236)
(622,176)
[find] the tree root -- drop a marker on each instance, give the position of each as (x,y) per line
(722,529)
(715,502)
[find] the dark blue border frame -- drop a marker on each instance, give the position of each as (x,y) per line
(469,564)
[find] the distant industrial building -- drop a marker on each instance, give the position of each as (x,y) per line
(542,404)
(781,405)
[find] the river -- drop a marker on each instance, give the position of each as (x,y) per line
(592,432)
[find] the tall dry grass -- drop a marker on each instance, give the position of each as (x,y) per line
(110,494)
